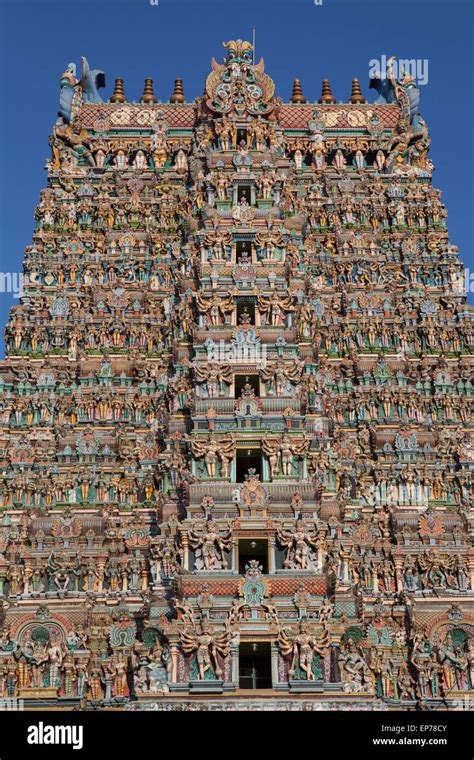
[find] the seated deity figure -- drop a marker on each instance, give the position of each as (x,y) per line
(120,160)
(140,162)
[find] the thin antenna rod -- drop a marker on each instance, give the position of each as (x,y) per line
(253,44)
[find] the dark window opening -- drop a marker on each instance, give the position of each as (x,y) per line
(241,381)
(241,136)
(253,548)
(255,665)
(243,247)
(243,191)
(245,311)
(248,459)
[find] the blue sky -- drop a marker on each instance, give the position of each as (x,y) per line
(134,39)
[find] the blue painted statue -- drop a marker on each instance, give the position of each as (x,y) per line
(74,92)
(385,90)
(92,81)
(68,84)
(403,91)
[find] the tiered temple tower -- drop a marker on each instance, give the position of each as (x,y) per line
(236,450)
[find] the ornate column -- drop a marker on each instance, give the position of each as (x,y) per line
(185,546)
(174,662)
(274,659)
(234,653)
(271,554)
(398,563)
(234,557)
(470,561)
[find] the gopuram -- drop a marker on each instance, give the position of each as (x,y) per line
(236,449)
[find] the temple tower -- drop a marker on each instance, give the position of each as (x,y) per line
(236,410)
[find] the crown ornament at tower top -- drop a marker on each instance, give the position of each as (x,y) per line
(237,87)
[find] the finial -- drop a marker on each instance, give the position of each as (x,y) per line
(326,94)
(297,94)
(178,94)
(148,94)
(118,95)
(356,95)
